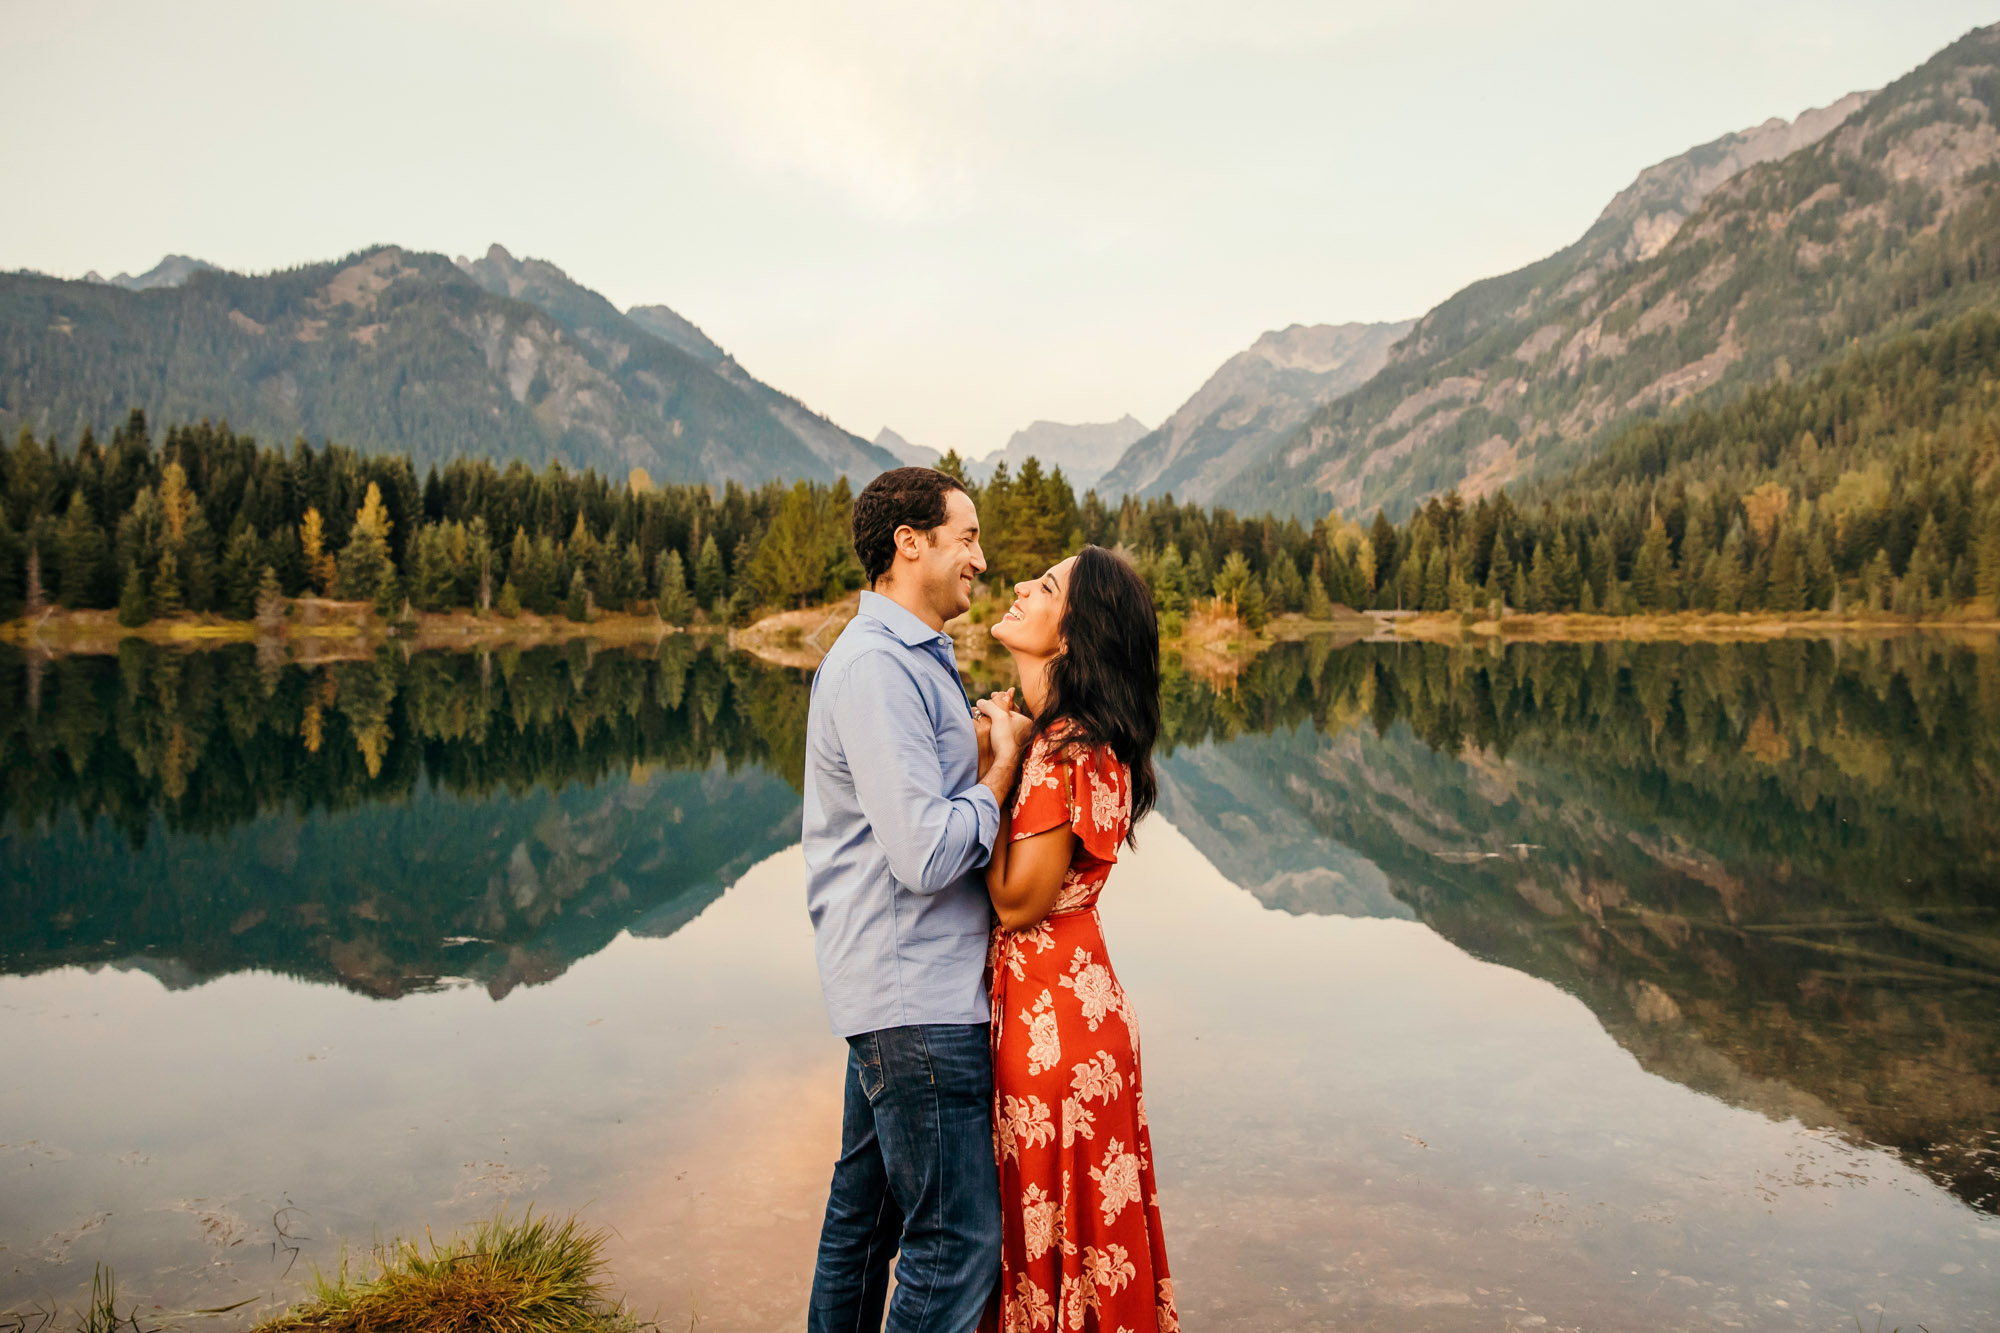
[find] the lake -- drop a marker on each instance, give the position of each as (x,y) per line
(1599,986)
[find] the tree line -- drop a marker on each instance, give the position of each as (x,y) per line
(1873,485)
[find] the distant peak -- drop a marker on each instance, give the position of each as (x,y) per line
(664,322)
(171,271)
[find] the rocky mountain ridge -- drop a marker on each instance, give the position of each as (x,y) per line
(171,271)
(589,315)
(1250,405)
(399,351)
(1761,254)
(1085,452)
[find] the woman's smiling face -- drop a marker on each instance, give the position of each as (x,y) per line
(1033,624)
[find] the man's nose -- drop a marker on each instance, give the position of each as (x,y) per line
(978,559)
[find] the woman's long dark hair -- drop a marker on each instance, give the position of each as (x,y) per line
(1105,683)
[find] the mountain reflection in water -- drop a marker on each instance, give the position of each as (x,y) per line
(1770,870)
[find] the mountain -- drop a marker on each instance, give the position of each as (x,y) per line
(171,271)
(584,313)
(399,351)
(662,322)
(1084,452)
(1257,398)
(1241,816)
(1862,220)
(906,454)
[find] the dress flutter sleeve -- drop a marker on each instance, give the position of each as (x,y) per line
(1082,786)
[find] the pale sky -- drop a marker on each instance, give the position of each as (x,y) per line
(948,218)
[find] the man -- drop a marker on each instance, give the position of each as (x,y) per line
(902,803)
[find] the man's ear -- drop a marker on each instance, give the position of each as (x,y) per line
(906,540)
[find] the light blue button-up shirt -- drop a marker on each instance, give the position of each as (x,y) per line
(896,826)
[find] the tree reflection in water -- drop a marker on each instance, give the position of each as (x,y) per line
(1770,869)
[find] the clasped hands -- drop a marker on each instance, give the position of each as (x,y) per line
(1002,729)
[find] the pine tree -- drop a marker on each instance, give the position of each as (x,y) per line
(520,558)
(133,608)
(269,602)
(390,600)
(1499,570)
(1566,578)
(711,581)
(1874,581)
(1788,573)
(791,564)
(242,563)
(320,565)
(1603,570)
(1821,580)
(82,551)
(1541,581)
(542,589)
(1726,587)
(431,577)
(1231,579)
(577,607)
(674,606)
(631,576)
(509,604)
(1382,540)
(1170,582)
(366,572)
(1986,578)
(1927,569)
(1250,606)
(1436,590)
(1652,570)
(12,554)
(1318,605)
(166,587)
(1286,592)
(481,557)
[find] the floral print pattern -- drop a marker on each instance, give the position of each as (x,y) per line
(1082,1246)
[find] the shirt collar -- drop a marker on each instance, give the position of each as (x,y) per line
(900,620)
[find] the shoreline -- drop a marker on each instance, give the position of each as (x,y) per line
(1675,627)
(1211,644)
(320,628)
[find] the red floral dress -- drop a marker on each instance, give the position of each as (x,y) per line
(1081,1244)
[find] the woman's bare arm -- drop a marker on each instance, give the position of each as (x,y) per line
(1024,878)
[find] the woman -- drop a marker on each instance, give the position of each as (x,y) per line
(1081,1245)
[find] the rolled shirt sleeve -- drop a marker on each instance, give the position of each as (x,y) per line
(930,840)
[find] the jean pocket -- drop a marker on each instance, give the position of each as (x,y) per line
(868,1065)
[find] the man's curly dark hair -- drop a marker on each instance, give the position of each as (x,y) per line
(913,496)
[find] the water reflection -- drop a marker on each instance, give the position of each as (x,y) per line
(386,823)
(1769,871)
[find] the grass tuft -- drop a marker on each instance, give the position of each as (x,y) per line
(534,1275)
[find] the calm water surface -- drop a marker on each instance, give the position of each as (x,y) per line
(1588,987)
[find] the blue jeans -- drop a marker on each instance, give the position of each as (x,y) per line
(916,1172)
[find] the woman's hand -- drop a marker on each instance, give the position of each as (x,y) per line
(1009,728)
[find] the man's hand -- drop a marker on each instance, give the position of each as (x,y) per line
(1006,733)
(982,727)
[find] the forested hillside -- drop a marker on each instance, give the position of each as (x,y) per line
(397,352)
(1874,483)
(1886,224)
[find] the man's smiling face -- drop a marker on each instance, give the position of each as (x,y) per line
(949,558)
